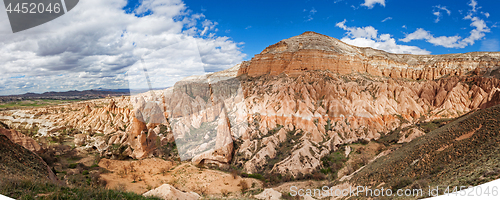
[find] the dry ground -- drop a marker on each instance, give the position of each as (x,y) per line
(151,173)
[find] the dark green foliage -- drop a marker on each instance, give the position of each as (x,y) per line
(328,125)
(333,162)
(118,150)
(169,151)
(255,176)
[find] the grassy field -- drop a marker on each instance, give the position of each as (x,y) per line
(32,103)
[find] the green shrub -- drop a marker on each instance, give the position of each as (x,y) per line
(72,165)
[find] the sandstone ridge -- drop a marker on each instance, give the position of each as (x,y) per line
(313,51)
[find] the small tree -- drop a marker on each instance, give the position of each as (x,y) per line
(244,186)
(107,163)
(135,177)
(132,167)
(234,173)
(163,171)
(126,169)
(364,159)
(224,192)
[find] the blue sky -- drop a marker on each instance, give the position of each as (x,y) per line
(100,44)
(260,23)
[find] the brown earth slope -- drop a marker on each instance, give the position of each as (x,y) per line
(464,152)
(17,161)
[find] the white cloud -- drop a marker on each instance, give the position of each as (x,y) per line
(96,43)
(473,4)
(490,45)
(311,14)
(371,3)
(388,18)
(480,28)
(437,12)
(369,37)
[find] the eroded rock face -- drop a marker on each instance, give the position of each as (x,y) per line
(313,51)
(80,139)
(410,134)
(325,109)
(291,105)
(168,192)
(22,140)
(223,150)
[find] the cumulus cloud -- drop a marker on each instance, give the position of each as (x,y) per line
(473,4)
(97,43)
(437,12)
(371,3)
(368,37)
(480,28)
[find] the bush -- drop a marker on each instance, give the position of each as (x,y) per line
(85,172)
(234,173)
(318,176)
(224,192)
(244,186)
(256,176)
(72,165)
(49,157)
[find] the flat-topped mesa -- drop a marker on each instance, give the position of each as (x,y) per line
(314,51)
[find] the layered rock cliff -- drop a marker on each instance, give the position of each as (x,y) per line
(313,51)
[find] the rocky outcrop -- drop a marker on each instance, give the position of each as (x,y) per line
(223,150)
(269,194)
(22,140)
(410,134)
(313,51)
(80,139)
(169,192)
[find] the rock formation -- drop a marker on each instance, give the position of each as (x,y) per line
(313,51)
(269,194)
(168,192)
(19,162)
(22,140)
(287,108)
